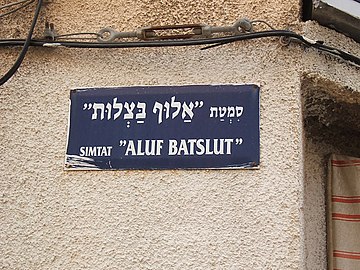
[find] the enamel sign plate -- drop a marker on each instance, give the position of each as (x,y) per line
(164,127)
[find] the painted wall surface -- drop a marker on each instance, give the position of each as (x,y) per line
(169,219)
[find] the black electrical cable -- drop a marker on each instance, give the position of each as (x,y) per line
(314,44)
(13,4)
(73,35)
(159,43)
(189,42)
(16,9)
(264,22)
(344,55)
(25,48)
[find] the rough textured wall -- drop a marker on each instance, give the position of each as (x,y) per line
(198,219)
(149,219)
(325,80)
(332,125)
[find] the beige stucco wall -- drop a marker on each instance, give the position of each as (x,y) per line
(331,125)
(198,219)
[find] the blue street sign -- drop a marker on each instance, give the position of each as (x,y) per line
(164,127)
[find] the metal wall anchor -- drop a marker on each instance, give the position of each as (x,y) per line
(175,31)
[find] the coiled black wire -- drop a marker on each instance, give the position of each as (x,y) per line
(26,43)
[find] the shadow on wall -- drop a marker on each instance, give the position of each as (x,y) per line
(331,119)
